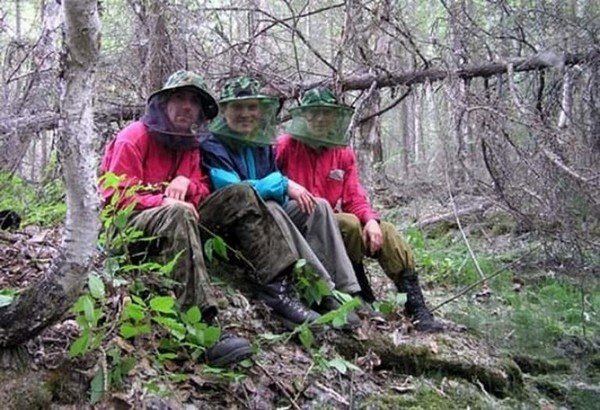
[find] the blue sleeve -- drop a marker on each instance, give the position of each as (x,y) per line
(221,178)
(273,186)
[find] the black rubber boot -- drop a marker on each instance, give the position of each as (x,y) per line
(329,303)
(366,292)
(279,296)
(415,304)
(230,349)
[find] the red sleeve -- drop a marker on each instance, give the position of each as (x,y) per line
(354,197)
(281,153)
(199,187)
(126,160)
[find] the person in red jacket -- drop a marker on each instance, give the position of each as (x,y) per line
(158,156)
(315,155)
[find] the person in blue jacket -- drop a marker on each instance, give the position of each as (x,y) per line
(239,151)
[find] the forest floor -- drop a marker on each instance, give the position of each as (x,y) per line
(532,337)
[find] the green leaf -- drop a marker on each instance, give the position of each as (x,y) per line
(339,320)
(306,337)
(120,220)
(300,263)
(5,300)
(127,364)
(273,337)
(220,247)
(133,311)
(80,345)
(97,387)
(163,304)
(128,330)
(342,365)
(166,356)
(211,335)
(193,315)
(88,309)
(110,180)
(138,300)
(168,268)
(176,328)
(339,364)
(96,287)
(208,249)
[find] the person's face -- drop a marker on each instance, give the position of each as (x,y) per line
(320,120)
(183,110)
(242,116)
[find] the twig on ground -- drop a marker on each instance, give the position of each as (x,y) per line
(496,273)
(279,385)
(335,394)
(462,232)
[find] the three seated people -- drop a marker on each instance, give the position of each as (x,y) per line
(227,177)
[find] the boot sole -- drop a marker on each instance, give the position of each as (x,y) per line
(235,356)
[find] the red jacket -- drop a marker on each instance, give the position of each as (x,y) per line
(144,161)
(327,173)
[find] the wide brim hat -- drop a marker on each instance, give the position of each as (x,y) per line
(189,80)
(241,89)
(304,128)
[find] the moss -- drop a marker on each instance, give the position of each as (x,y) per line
(448,395)
(552,389)
(586,398)
(23,390)
(534,365)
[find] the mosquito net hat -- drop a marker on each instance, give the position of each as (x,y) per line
(242,96)
(319,120)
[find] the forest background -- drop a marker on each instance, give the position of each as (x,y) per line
(476,129)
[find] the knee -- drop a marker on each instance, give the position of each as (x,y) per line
(349,223)
(180,212)
(322,206)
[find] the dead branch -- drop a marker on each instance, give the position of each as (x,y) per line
(450,216)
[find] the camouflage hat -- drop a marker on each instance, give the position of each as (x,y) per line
(189,79)
(238,90)
(241,88)
(319,97)
(319,120)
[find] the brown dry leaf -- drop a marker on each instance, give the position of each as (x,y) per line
(124,345)
(433,346)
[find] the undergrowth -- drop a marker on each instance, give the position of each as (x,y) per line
(42,205)
(524,313)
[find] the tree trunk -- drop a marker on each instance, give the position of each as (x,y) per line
(39,306)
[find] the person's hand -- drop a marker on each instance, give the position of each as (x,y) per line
(177,188)
(372,236)
(170,201)
(306,201)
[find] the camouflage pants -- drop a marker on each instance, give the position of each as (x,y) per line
(318,241)
(243,220)
(177,232)
(395,255)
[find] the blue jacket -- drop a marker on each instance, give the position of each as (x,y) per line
(254,165)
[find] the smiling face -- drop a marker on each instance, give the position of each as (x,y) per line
(242,116)
(183,110)
(320,120)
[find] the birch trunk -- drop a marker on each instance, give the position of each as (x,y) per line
(41,305)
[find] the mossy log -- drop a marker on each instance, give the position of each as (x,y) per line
(451,355)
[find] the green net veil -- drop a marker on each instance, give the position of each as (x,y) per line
(319,120)
(246,116)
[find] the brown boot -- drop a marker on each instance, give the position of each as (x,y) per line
(415,304)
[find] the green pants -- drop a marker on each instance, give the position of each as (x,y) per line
(244,221)
(395,255)
(176,230)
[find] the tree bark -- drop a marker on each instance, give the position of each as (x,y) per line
(39,306)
